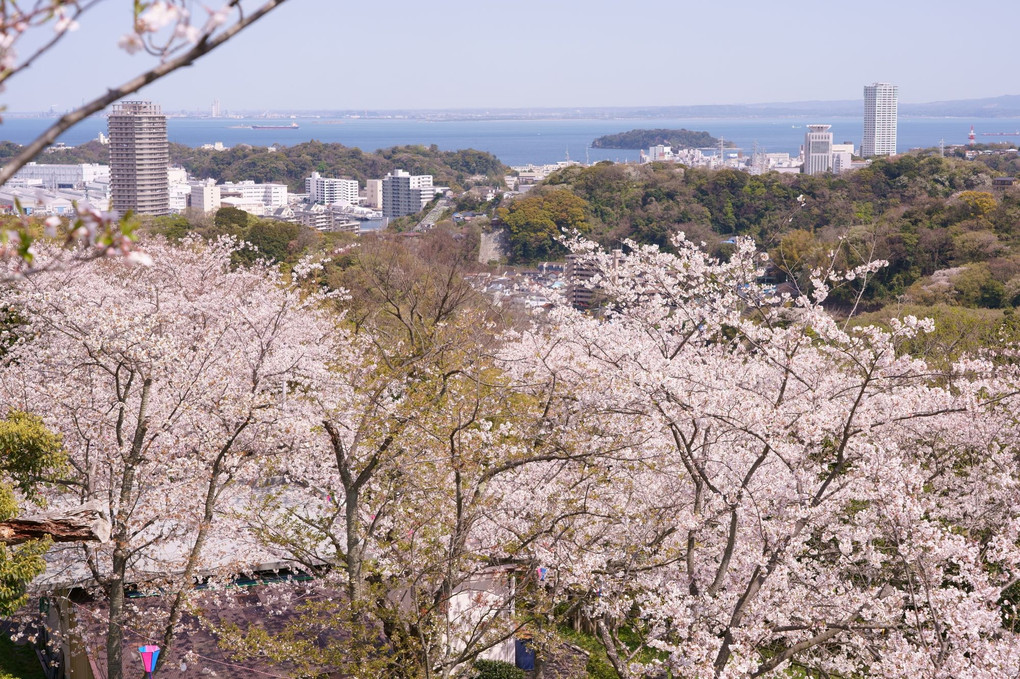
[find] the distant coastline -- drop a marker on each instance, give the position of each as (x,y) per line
(1006,106)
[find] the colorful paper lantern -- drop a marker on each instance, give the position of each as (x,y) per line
(150,654)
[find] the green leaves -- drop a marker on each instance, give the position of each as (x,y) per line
(28,453)
(18,566)
(537,221)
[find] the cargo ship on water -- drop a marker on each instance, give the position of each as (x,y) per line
(292,126)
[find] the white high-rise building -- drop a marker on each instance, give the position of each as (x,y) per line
(880,109)
(817,149)
(327,190)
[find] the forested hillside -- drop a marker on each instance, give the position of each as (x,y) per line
(947,235)
(291,164)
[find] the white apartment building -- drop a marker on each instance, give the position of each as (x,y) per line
(328,190)
(205,196)
(176,175)
(817,149)
(659,153)
(405,193)
(180,198)
(842,157)
(271,196)
(61,176)
(880,111)
(252,207)
(180,189)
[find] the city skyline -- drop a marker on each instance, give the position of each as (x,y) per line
(569,54)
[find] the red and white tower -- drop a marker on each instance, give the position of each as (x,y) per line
(971,137)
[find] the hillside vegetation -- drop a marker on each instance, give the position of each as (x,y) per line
(291,164)
(947,235)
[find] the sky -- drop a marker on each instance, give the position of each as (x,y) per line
(482,54)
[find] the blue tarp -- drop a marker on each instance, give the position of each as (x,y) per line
(524,656)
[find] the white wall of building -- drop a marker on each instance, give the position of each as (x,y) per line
(329,190)
(373,193)
(405,193)
(205,196)
(271,196)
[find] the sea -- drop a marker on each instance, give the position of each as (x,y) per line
(528,141)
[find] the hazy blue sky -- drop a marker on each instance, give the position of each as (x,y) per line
(333,54)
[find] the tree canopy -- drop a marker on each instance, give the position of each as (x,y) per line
(722,480)
(642,139)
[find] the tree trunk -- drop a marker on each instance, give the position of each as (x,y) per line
(115,630)
(618,663)
(81,524)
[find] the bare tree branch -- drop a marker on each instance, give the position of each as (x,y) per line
(204,46)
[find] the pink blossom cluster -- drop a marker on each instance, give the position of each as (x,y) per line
(733,475)
(783,490)
(161,25)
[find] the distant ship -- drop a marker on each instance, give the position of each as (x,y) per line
(292,126)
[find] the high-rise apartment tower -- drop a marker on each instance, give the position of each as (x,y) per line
(879,120)
(139,156)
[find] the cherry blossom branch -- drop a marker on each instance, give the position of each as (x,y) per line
(205,45)
(69,24)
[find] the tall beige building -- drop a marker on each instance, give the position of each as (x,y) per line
(139,156)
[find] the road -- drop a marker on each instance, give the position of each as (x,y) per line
(433,216)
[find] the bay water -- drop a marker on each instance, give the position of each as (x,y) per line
(520,142)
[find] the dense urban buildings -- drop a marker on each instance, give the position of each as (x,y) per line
(879,120)
(139,155)
(817,149)
(405,194)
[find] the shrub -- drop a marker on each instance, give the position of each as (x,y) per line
(497,669)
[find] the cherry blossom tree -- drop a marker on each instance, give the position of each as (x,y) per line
(795,492)
(400,495)
(169,385)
